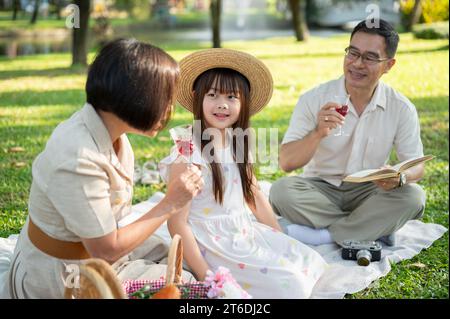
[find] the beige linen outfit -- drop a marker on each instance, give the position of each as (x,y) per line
(80,189)
(318,198)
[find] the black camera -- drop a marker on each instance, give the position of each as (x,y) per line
(362,251)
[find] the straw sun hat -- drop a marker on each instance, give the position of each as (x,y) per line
(254,70)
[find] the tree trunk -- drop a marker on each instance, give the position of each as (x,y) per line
(35,11)
(58,9)
(298,20)
(216,8)
(16,9)
(415,15)
(79,39)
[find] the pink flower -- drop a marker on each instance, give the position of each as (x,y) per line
(223,285)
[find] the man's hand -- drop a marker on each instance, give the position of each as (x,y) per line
(328,119)
(388,183)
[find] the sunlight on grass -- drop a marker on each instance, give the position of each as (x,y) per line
(38,92)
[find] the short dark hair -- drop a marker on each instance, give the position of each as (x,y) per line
(386,30)
(135,81)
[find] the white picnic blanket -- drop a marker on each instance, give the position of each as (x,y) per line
(342,277)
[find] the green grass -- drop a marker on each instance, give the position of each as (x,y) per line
(38,92)
(23,22)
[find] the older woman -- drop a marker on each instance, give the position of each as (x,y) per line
(82,181)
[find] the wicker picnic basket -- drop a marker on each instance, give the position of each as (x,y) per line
(99,281)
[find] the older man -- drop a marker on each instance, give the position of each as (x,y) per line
(322,208)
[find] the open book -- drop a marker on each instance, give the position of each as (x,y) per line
(382,173)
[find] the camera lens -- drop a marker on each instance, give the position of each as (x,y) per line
(363,257)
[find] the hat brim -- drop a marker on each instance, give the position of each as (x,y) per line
(258,75)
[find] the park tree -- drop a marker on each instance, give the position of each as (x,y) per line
(16,9)
(57,5)
(125,5)
(215,9)
(415,15)
(79,35)
(299,19)
(34,15)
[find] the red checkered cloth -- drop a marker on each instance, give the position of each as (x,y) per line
(190,290)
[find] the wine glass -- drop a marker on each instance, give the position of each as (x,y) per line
(182,136)
(342,100)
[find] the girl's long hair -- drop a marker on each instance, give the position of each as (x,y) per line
(227,81)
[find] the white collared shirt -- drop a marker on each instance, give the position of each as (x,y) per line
(389,121)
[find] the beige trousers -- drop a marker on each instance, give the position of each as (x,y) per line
(351,211)
(148,261)
(35,275)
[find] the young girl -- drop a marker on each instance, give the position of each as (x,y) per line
(223,88)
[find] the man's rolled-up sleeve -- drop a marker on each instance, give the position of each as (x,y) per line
(407,142)
(303,121)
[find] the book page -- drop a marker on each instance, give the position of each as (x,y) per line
(399,165)
(382,173)
(371,172)
(412,162)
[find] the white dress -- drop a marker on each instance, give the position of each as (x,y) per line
(264,261)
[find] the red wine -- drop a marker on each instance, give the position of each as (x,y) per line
(342,110)
(185,147)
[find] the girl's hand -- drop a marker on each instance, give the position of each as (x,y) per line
(185,182)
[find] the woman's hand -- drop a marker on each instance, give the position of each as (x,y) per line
(185,182)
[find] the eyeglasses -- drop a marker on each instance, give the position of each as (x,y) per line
(367,57)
